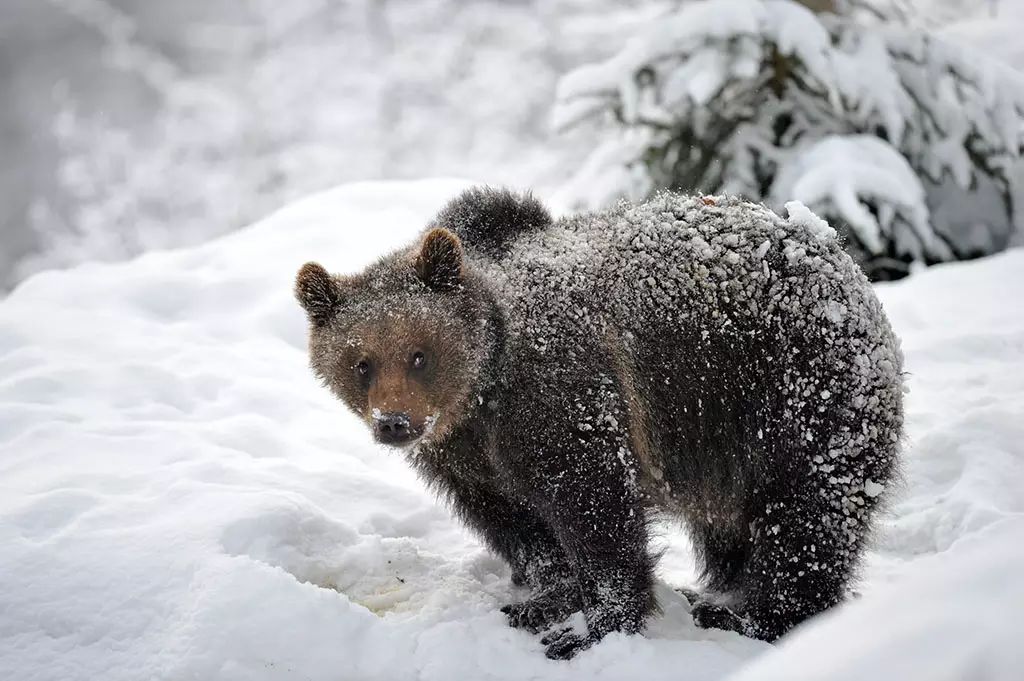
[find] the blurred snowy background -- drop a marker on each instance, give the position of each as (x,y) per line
(128,125)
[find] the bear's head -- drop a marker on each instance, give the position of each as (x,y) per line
(402,344)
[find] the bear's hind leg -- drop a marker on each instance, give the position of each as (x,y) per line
(722,553)
(801,559)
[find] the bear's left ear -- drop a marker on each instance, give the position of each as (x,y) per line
(439,263)
(317,292)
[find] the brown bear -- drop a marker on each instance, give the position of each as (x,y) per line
(561,383)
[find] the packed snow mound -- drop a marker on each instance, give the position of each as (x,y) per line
(183,500)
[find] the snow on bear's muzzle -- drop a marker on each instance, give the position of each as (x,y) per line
(394,428)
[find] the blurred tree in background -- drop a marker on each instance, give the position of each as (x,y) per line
(911,146)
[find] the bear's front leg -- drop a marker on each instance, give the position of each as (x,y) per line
(614,573)
(546,570)
(584,488)
(512,530)
(564,445)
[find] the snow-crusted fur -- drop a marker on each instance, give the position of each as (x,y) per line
(695,356)
(492,219)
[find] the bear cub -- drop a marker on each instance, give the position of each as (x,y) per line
(561,383)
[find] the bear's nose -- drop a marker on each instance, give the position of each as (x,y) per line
(392,427)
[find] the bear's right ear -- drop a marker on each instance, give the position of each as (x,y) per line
(317,292)
(439,263)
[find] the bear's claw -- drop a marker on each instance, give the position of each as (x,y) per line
(710,616)
(564,644)
(536,614)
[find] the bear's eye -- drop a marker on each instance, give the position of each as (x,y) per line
(363,367)
(419,360)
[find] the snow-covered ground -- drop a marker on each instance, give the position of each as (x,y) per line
(179,499)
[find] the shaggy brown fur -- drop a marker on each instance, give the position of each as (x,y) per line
(561,382)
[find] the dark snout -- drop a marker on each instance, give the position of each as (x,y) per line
(393,428)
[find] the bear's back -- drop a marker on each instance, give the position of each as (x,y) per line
(760,320)
(720,264)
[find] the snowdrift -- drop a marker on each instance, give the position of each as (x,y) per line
(181,500)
